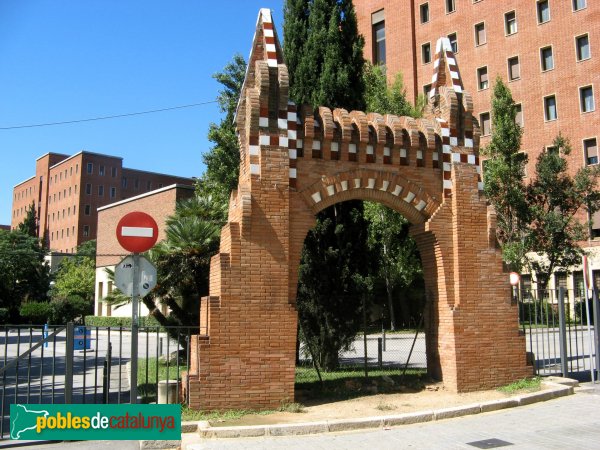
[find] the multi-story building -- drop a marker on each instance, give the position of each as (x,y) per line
(545,50)
(66,192)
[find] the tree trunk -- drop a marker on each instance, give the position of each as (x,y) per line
(390,297)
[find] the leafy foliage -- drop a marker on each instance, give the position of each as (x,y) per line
(36,313)
(539,224)
(399,264)
(23,273)
(29,224)
(555,199)
(329,296)
(223,160)
(75,277)
(384,99)
(323,53)
(504,176)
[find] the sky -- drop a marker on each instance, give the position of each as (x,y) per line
(71,59)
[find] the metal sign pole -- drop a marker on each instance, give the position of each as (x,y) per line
(134,327)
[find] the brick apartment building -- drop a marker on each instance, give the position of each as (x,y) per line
(160,204)
(545,50)
(67,191)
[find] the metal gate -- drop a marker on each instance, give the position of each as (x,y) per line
(70,364)
(561,333)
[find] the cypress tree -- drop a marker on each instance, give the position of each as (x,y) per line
(323,52)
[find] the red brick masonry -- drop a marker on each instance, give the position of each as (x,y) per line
(295,163)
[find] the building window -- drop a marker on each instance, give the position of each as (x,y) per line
(514,68)
(136,183)
(480,37)
(579,4)
(101,191)
(86,230)
(124,182)
(90,167)
(547,58)
(148,185)
(378,24)
(424,10)
(450,6)
(87,210)
(101,171)
(427,90)
(510,22)
(426,53)
(113,192)
(590,151)
(583,47)
(586,99)
(76,168)
(543,11)
(550,112)
(519,116)
(453,42)
(88,189)
(113,172)
(482,78)
(486,125)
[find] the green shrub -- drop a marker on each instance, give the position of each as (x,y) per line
(37,313)
(4,315)
(537,312)
(70,309)
(106,321)
(581,312)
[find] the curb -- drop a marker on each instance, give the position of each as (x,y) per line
(558,388)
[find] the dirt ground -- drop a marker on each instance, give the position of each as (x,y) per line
(433,396)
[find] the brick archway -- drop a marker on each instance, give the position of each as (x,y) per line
(296,161)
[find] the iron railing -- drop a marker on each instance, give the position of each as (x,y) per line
(67,364)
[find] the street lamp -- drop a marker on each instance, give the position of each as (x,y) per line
(514,278)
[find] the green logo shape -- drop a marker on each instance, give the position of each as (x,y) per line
(95,422)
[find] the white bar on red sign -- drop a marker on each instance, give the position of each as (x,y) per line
(137,231)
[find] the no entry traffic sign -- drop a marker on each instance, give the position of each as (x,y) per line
(137,232)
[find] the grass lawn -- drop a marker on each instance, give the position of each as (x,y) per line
(524,385)
(147,376)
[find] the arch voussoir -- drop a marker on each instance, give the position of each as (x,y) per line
(385,187)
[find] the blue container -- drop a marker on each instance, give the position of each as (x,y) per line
(82,338)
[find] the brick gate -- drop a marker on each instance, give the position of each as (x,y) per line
(296,161)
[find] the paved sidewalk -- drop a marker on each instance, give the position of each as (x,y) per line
(571,422)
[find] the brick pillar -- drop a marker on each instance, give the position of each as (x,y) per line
(473,340)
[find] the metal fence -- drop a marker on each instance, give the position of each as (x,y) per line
(560,331)
(374,354)
(67,364)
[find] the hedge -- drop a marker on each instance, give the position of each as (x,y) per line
(113,321)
